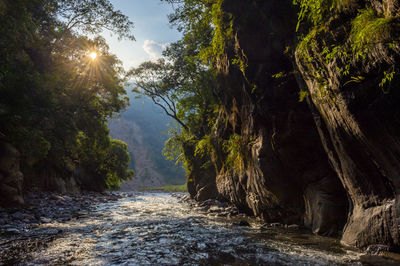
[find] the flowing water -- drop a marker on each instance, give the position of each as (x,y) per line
(156,229)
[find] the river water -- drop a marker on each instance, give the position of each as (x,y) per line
(157,229)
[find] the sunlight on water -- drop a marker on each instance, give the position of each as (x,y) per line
(156,229)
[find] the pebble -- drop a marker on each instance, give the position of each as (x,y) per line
(12,231)
(47,207)
(18,216)
(45,220)
(293,226)
(376,249)
(275,225)
(215,209)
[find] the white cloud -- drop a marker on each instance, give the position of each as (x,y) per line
(154,49)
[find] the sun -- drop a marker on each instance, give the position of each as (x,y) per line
(93,55)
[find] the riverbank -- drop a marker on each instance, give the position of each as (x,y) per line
(23,230)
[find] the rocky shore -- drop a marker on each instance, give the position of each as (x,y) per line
(23,230)
(215,208)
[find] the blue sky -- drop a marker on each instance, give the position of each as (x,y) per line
(152,31)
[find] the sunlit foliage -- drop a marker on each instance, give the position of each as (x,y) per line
(54,99)
(370,40)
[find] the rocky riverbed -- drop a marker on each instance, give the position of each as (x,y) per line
(158,229)
(23,230)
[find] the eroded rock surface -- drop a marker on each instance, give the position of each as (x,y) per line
(331,162)
(359,127)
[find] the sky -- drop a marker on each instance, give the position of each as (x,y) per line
(151,30)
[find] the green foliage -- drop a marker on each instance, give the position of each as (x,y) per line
(116,164)
(280,75)
(153,136)
(303,95)
(387,79)
(173,149)
(234,150)
(316,11)
(357,79)
(208,29)
(183,84)
(367,31)
(91,16)
(203,146)
(370,39)
(54,100)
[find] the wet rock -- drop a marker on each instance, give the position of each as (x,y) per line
(242,223)
(215,209)
(264,226)
(12,231)
(293,226)
(45,220)
(377,249)
(275,225)
(359,129)
(18,216)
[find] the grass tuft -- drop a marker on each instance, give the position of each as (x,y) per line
(167,188)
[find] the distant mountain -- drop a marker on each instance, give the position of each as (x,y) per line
(142,126)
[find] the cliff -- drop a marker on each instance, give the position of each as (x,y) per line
(330,161)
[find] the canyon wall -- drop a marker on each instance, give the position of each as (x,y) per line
(330,161)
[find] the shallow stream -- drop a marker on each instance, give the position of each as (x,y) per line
(157,229)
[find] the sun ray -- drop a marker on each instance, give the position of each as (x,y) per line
(93,55)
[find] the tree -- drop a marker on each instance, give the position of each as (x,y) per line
(54,99)
(183,83)
(117,163)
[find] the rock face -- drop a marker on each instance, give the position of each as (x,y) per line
(282,173)
(358,123)
(331,162)
(11,178)
(201,175)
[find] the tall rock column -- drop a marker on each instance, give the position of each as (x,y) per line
(358,118)
(280,171)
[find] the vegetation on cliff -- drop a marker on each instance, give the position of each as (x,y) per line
(368,36)
(245,137)
(184,84)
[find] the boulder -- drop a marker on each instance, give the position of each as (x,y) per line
(11,178)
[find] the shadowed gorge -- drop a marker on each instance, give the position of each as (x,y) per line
(282,117)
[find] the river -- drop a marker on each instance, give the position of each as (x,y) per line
(157,229)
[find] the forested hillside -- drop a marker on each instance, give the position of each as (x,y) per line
(58,87)
(143,126)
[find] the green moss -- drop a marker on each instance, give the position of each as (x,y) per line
(367,31)
(302,95)
(316,11)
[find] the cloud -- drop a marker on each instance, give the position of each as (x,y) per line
(154,49)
